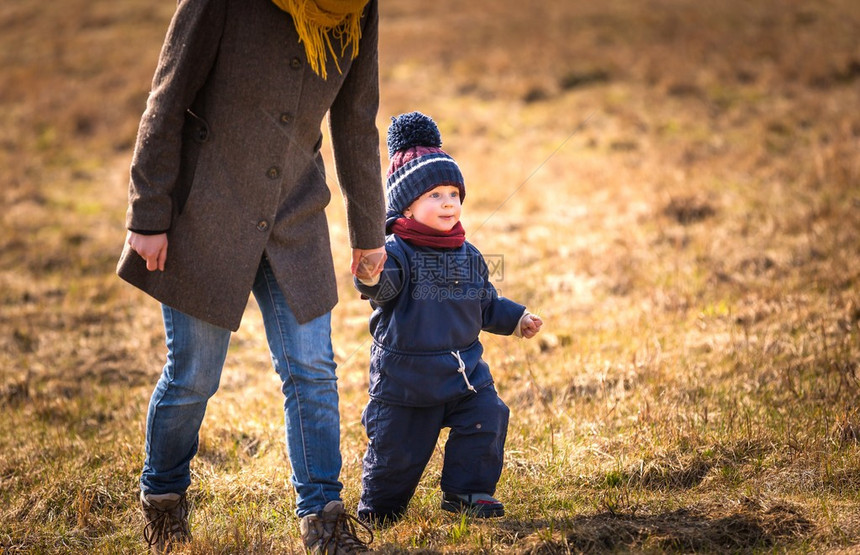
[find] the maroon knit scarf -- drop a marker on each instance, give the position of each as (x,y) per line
(425,236)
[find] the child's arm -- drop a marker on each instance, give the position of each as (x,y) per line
(499,315)
(504,316)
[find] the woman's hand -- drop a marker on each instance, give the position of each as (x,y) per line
(367,264)
(152,248)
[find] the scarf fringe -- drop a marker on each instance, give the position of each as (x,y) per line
(317,22)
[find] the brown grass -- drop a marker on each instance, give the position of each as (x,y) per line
(673,187)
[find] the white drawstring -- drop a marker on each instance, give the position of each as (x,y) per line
(462,370)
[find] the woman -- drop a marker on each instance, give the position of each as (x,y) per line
(227,196)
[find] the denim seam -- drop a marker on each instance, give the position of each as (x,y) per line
(289,371)
(148,439)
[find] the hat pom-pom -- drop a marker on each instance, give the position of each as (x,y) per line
(410,130)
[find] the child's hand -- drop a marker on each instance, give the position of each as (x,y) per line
(530,325)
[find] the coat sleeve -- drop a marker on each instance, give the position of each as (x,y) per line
(187,55)
(355,140)
(499,315)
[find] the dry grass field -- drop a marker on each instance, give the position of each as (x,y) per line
(674,186)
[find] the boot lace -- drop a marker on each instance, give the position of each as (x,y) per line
(346,535)
(164,525)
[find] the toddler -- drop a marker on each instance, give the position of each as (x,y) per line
(430,303)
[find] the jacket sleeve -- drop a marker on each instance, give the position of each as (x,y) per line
(188,52)
(499,315)
(355,140)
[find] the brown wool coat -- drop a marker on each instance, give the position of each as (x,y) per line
(228,160)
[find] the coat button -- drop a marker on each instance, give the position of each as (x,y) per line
(274,172)
(286,117)
(262,225)
(296,63)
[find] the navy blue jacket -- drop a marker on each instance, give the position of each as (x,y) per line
(428,309)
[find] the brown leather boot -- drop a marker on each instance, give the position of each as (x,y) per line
(166,518)
(333,532)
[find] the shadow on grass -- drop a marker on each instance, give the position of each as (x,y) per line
(745,526)
(748,527)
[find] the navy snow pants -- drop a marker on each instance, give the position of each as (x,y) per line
(401,441)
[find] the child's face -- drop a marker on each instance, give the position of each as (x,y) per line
(438,208)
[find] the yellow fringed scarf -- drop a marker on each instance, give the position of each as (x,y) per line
(314,20)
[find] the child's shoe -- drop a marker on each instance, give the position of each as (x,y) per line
(479,505)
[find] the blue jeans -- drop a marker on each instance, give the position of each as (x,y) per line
(303,358)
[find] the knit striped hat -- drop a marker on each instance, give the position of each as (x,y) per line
(418,164)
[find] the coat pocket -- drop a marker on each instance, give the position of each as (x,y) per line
(195,133)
